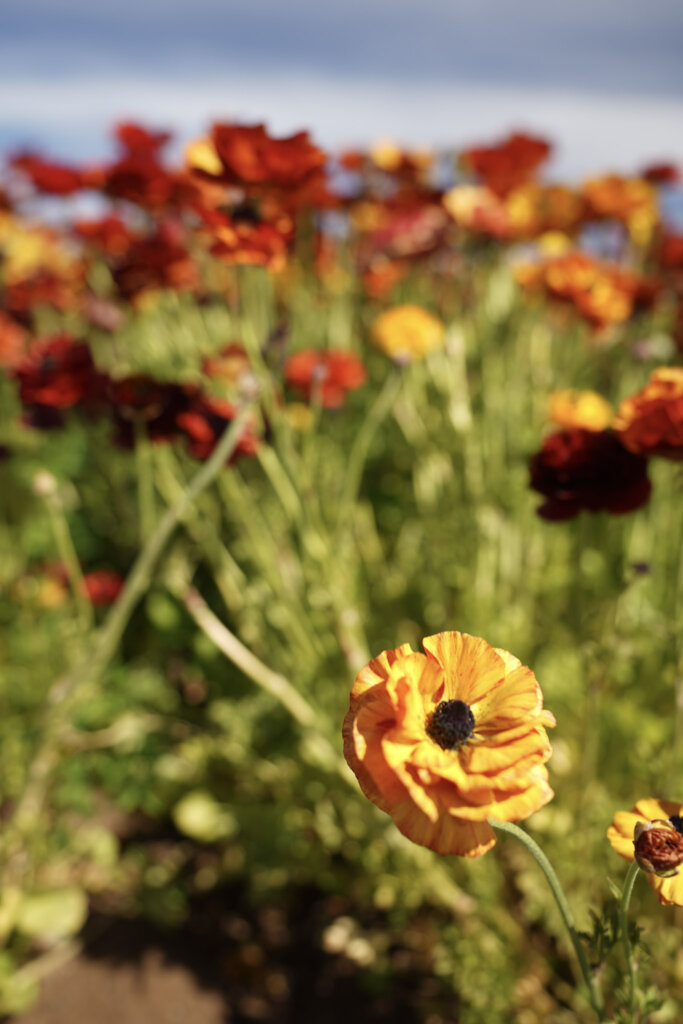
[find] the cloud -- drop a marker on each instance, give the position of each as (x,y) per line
(609,46)
(595,132)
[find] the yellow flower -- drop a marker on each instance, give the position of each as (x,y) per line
(621,833)
(443,741)
(585,409)
(408,332)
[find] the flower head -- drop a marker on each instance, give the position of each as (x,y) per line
(651,422)
(444,740)
(652,834)
(408,332)
(585,409)
(584,469)
(332,372)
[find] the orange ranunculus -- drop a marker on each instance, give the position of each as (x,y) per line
(669,890)
(633,201)
(246,155)
(332,372)
(651,422)
(445,740)
(408,332)
(585,409)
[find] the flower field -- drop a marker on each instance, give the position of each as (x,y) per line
(341,534)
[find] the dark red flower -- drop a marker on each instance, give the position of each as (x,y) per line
(250,156)
(142,404)
(205,422)
(43,288)
(507,164)
(332,373)
(57,373)
(583,469)
(158,261)
(661,174)
(102,586)
(241,239)
(46,176)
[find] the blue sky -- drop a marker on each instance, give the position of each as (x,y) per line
(604,78)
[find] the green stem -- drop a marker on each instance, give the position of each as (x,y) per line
(145,480)
(359,452)
(626,942)
(69,559)
(553,881)
(61,695)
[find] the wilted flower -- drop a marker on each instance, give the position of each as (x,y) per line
(331,373)
(585,409)
(582,469)
(651,422)
(408,332)
(443,741)
(652,834)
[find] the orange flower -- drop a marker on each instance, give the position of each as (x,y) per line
(333,371)
(443,741)
(585,409)
(507,164)
(621,834)
(651,422)
(408,332)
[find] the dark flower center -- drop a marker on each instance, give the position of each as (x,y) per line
(677,822)
(451,724)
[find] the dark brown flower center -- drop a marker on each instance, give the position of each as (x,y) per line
(451,724)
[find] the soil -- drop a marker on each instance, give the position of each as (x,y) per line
(236,964)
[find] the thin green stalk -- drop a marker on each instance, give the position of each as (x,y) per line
(145,480)
(361,446)
(626,942)
(69,559)
(532,847)
(61,695)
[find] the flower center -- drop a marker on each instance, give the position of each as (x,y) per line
(677,822)
(451,724)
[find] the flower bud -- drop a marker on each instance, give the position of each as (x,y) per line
(658,847)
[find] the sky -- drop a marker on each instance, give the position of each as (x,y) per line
(603,78)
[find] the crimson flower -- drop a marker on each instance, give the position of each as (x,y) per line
(580,469)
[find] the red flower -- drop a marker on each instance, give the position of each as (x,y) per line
(57,373)
(252,157)
(145,404)
(102,586)
(109,234)
(661,174)
(205,422)
(651,421)
(133,138)
(332,372)
(46,176)
(12,341)
(583,469)
(157,261)
(509,163)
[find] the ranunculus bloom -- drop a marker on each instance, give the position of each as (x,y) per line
(205,421)
(57,373)
(331,372)
(443,741)
(408,332)
(46,176)
(248,155)
(507,164)
(651,422)
(585,409)
(621,833)
(102,586)
(582,469)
